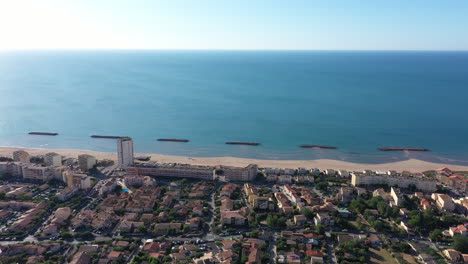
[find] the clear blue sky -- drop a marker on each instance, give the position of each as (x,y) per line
(235,24)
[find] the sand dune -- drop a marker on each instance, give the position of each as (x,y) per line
(412,165)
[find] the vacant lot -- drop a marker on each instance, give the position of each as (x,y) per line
(381,256)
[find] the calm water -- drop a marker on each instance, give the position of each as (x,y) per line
(356,101)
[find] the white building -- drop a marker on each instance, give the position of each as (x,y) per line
(86,162)
(397,197)
(125,151)
(284,179)
(34,172)
(315,171)
(402,181)
(53,159)
(240,174)
(269,171)
(21,156)
(288,171)
(74,180)
(302,171)
(11,168)
(81,181)
(343,173)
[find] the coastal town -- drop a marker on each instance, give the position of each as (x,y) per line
(133,209)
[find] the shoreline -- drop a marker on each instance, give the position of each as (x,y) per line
(412,165)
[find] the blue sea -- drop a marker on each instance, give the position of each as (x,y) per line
(354,100)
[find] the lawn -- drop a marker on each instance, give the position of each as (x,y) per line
(381,256)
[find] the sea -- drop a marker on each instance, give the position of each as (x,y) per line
(357,101)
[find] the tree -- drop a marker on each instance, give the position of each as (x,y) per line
(308,213)
(435,235)
(66,235)
(323,186)
(244,259)
(320,229)
(142,229)
(460,243)
(118,189)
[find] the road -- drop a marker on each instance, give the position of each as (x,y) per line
(331,255)
(211,203)
(272,248)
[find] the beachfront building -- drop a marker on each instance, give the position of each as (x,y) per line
(11,168)
(86,162)
(52,159)
(402,181)
(171,170)
(271,171)
(21,156)
(35,172)
(240,174)
(125,152)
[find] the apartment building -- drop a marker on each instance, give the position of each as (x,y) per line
(125,152)
(396,196)
(240,174)
(443,202)
(256,200)
(172,170)
(35,172)
(291,193)
(11,168)
(86,162)
(21,156)
(402,181)
(233,218)
(52,159)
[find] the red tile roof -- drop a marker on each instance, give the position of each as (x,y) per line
(314,253)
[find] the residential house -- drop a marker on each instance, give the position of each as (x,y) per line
(460,230)
(323,218)
(232,218)
(300,220)
(452,254)
(443,202)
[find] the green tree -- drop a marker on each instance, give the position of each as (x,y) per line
(460,243)
(308,213)
(142,229)
(323,186)
(435,235)
(320,229)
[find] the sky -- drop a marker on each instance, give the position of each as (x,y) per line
(235,24)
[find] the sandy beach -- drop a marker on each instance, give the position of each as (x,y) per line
(412,165)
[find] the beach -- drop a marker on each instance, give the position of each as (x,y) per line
(412,165)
